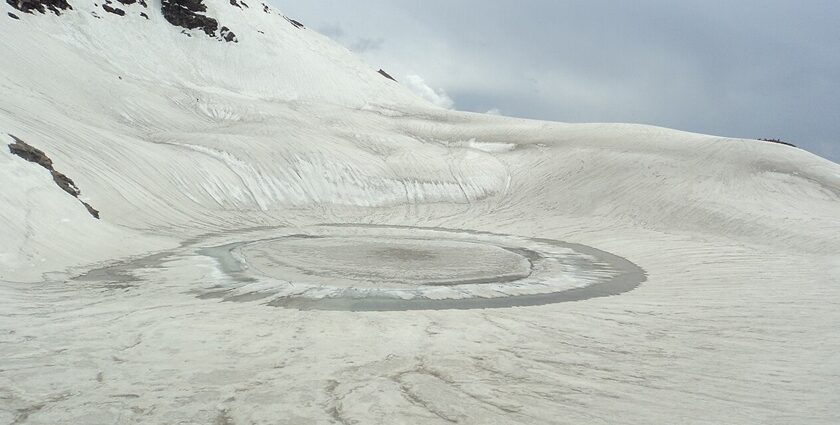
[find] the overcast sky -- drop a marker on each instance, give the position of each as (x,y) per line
(740,68)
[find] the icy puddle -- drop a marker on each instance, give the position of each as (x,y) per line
(387,268)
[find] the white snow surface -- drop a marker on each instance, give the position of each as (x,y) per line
(188,142)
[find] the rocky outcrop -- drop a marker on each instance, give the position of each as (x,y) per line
(27,6)
(295,23)
(386,75)
(185,14)
(114,10)
(32,154)
(781,142)
(189,14)
(228,35)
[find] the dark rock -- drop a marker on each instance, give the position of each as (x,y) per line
(182,13)
(266,9)
(781,142)
(65,183)
(243,3)
(42,6)
(191,5)
(32,154)
(228,35)
(114,10)
(93,211)
(296,23)
(29,153)
(386,75)
(235,3)
(127,2)
(143,14)
(13,16)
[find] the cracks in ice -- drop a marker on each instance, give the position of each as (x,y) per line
(333,406)
(223,418)
(22,414)
(416,399)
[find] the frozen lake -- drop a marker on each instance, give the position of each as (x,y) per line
(380,268)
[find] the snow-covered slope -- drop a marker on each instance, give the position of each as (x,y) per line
(181,139)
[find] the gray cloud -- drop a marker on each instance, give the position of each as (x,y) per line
(364,44)
(750,68)
(332,30)
(335,31)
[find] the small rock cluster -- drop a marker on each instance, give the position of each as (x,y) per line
(120,12)
(185,14)
(114,10)
(27,6)
(228,35)
(188,14)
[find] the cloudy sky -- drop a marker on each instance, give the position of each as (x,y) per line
(745,68)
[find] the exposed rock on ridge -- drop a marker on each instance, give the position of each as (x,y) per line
(228,35)
(295,23)
(386,75)
(40,5)
(114,10)
(185,13)
(32,154)
(189,14)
